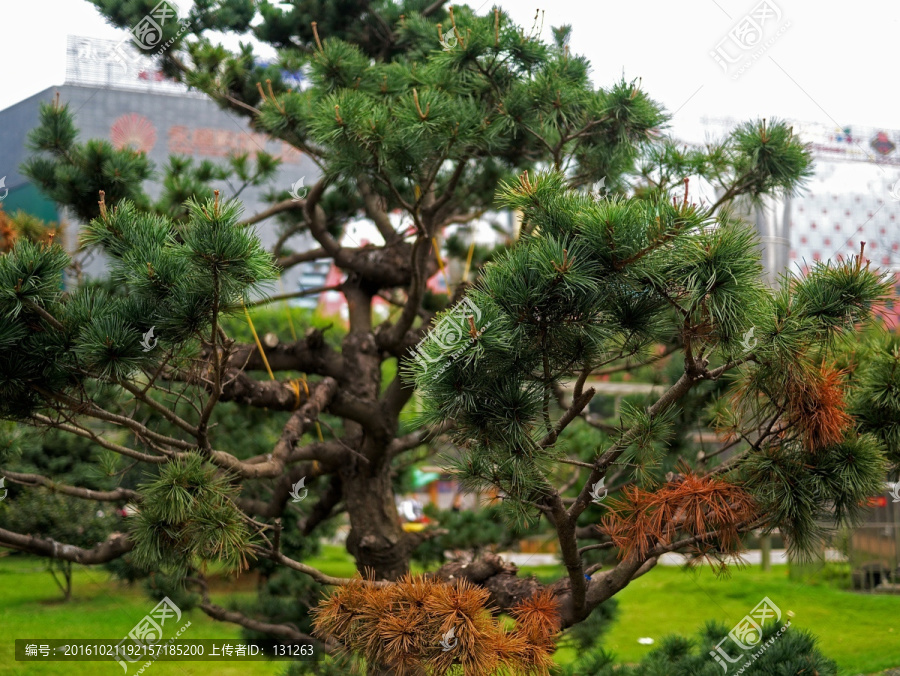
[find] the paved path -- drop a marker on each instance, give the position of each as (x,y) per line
(751,557)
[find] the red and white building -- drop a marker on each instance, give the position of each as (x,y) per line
(853,197)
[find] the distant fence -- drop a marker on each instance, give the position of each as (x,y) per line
(874,556)
(871,552)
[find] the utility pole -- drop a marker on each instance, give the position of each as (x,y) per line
(773,223)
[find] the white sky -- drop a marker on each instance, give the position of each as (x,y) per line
(833,64)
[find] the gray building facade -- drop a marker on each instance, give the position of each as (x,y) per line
(149,113)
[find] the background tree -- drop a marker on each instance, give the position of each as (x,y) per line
(397,122)
(31,507)
(42,513)
(793,653)
(22,225)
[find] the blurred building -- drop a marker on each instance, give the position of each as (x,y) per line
(118,94)
(853,197)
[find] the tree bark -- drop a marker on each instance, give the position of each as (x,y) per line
(67,576)
(117,545)
(376,539)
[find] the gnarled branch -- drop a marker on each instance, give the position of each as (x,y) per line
(75,491)
(113,548)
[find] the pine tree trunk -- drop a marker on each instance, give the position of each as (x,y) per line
(67,574)
(65,569)
(765,548)
(376,538)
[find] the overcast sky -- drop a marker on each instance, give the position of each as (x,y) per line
(833,63)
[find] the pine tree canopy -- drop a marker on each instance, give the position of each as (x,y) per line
(597,281)
(445,116)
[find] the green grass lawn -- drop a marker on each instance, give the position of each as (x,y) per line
(861,632)
(100,608)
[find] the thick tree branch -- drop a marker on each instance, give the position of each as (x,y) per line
(568,546)
(302,418)
(113,548)
(315,216)
(276,395)
(277,208)
(494,574)
(311,354)
(410,311)
(290,260)
(281,492)
(375,210)
(578,404)
(75,491)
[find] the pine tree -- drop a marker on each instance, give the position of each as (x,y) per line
(789,652)
(601,280)
(399,116)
